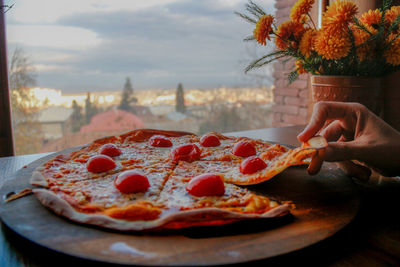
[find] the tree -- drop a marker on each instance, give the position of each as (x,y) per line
(76,117)
(28,135)
(90,109)
(127,97)
(180,99)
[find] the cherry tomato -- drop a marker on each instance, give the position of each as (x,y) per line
(208,140)
(110,150)
(131,182)
(100,163)
(186,152)
(207,184)
(251,165)
(160,141)
(244,149)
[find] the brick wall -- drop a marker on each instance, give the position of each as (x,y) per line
(291,101)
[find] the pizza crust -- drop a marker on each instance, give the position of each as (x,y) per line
(190,217)
(38,179)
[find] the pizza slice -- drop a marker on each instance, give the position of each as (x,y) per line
(195,195)
(129,195)
(274,160)
(245,161)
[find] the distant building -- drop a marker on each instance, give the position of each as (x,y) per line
(160,110)
(113,120)
(55,121)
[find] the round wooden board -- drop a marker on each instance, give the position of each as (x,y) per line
(325,203)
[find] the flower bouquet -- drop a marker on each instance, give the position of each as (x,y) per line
(344,45)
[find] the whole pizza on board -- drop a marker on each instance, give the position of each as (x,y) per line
(153,179)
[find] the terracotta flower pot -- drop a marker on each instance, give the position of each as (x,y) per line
(364,90)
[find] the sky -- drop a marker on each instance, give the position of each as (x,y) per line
(94,45)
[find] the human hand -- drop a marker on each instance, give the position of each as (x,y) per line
(353,133)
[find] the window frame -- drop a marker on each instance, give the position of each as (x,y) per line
(6,136)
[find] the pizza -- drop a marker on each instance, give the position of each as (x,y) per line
(152,179)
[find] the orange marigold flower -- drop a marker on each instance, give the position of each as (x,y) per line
(299,67)
(360,37)
(372,18)
(289,33)
(263,29)
(392,54)
(307,42)
(338,16)
(300,10)
(332,46)
(391,15)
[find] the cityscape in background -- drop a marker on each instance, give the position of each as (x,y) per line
(68,120)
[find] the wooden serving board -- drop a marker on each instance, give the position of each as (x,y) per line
(325,203)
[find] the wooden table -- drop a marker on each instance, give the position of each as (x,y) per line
(372,239)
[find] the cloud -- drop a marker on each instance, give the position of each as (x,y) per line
(73,38)
(195,42)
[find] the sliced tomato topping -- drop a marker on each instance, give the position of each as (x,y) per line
(186,152)
(244,149)
(160,141)
(131,182)
(251,165)
(110,150)
(207,184)
(100,163)
(209,140)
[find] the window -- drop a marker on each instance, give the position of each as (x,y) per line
(80,70)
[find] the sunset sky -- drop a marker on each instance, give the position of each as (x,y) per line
(81,45)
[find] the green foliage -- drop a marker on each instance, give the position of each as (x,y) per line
(264,60)
(253,9)
(386,4)
(245,17)
(180,99)
(293,76)
(127,98)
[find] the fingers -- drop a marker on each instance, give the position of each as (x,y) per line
(333,131)
(316,162)
(336,151)
(352,169)
(322,112)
